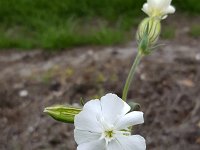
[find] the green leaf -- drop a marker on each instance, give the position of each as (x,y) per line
(62,113)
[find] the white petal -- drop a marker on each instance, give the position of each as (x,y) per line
(113,108)
(88,121)
(85,136)
(161,4)
(134,142)
(130,119)
(114,145)
(164,3)
(146,8)
(164,17)
(152,3)
(94,106)
(94,145)
(168,2)
(170,10)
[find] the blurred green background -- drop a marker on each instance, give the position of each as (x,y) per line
(57,24)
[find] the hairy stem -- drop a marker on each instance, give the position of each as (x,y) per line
(131,75)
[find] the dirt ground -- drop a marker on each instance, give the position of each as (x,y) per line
(167,85)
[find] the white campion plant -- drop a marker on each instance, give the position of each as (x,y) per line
(105,124)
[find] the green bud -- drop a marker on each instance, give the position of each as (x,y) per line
(148,34)
(134,106)
(62,113)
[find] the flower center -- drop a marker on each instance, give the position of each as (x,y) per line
(108,135)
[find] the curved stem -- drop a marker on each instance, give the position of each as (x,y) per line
(130,75)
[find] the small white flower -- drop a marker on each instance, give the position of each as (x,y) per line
(158,8)
(104,125)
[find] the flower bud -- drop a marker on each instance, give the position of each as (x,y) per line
(62,113)
(134,106)
(148,34)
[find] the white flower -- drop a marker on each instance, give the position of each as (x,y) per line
(104,125)
(158,8)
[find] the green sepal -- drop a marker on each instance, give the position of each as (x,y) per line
(63,113)
(134,106)
(148,34)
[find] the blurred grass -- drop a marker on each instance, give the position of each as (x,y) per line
(59,24)
(168,32)
(195,31)
(71,34)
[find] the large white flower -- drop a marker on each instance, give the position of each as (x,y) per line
(158,8)
(104,125)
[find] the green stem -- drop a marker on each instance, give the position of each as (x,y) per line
(130,76)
